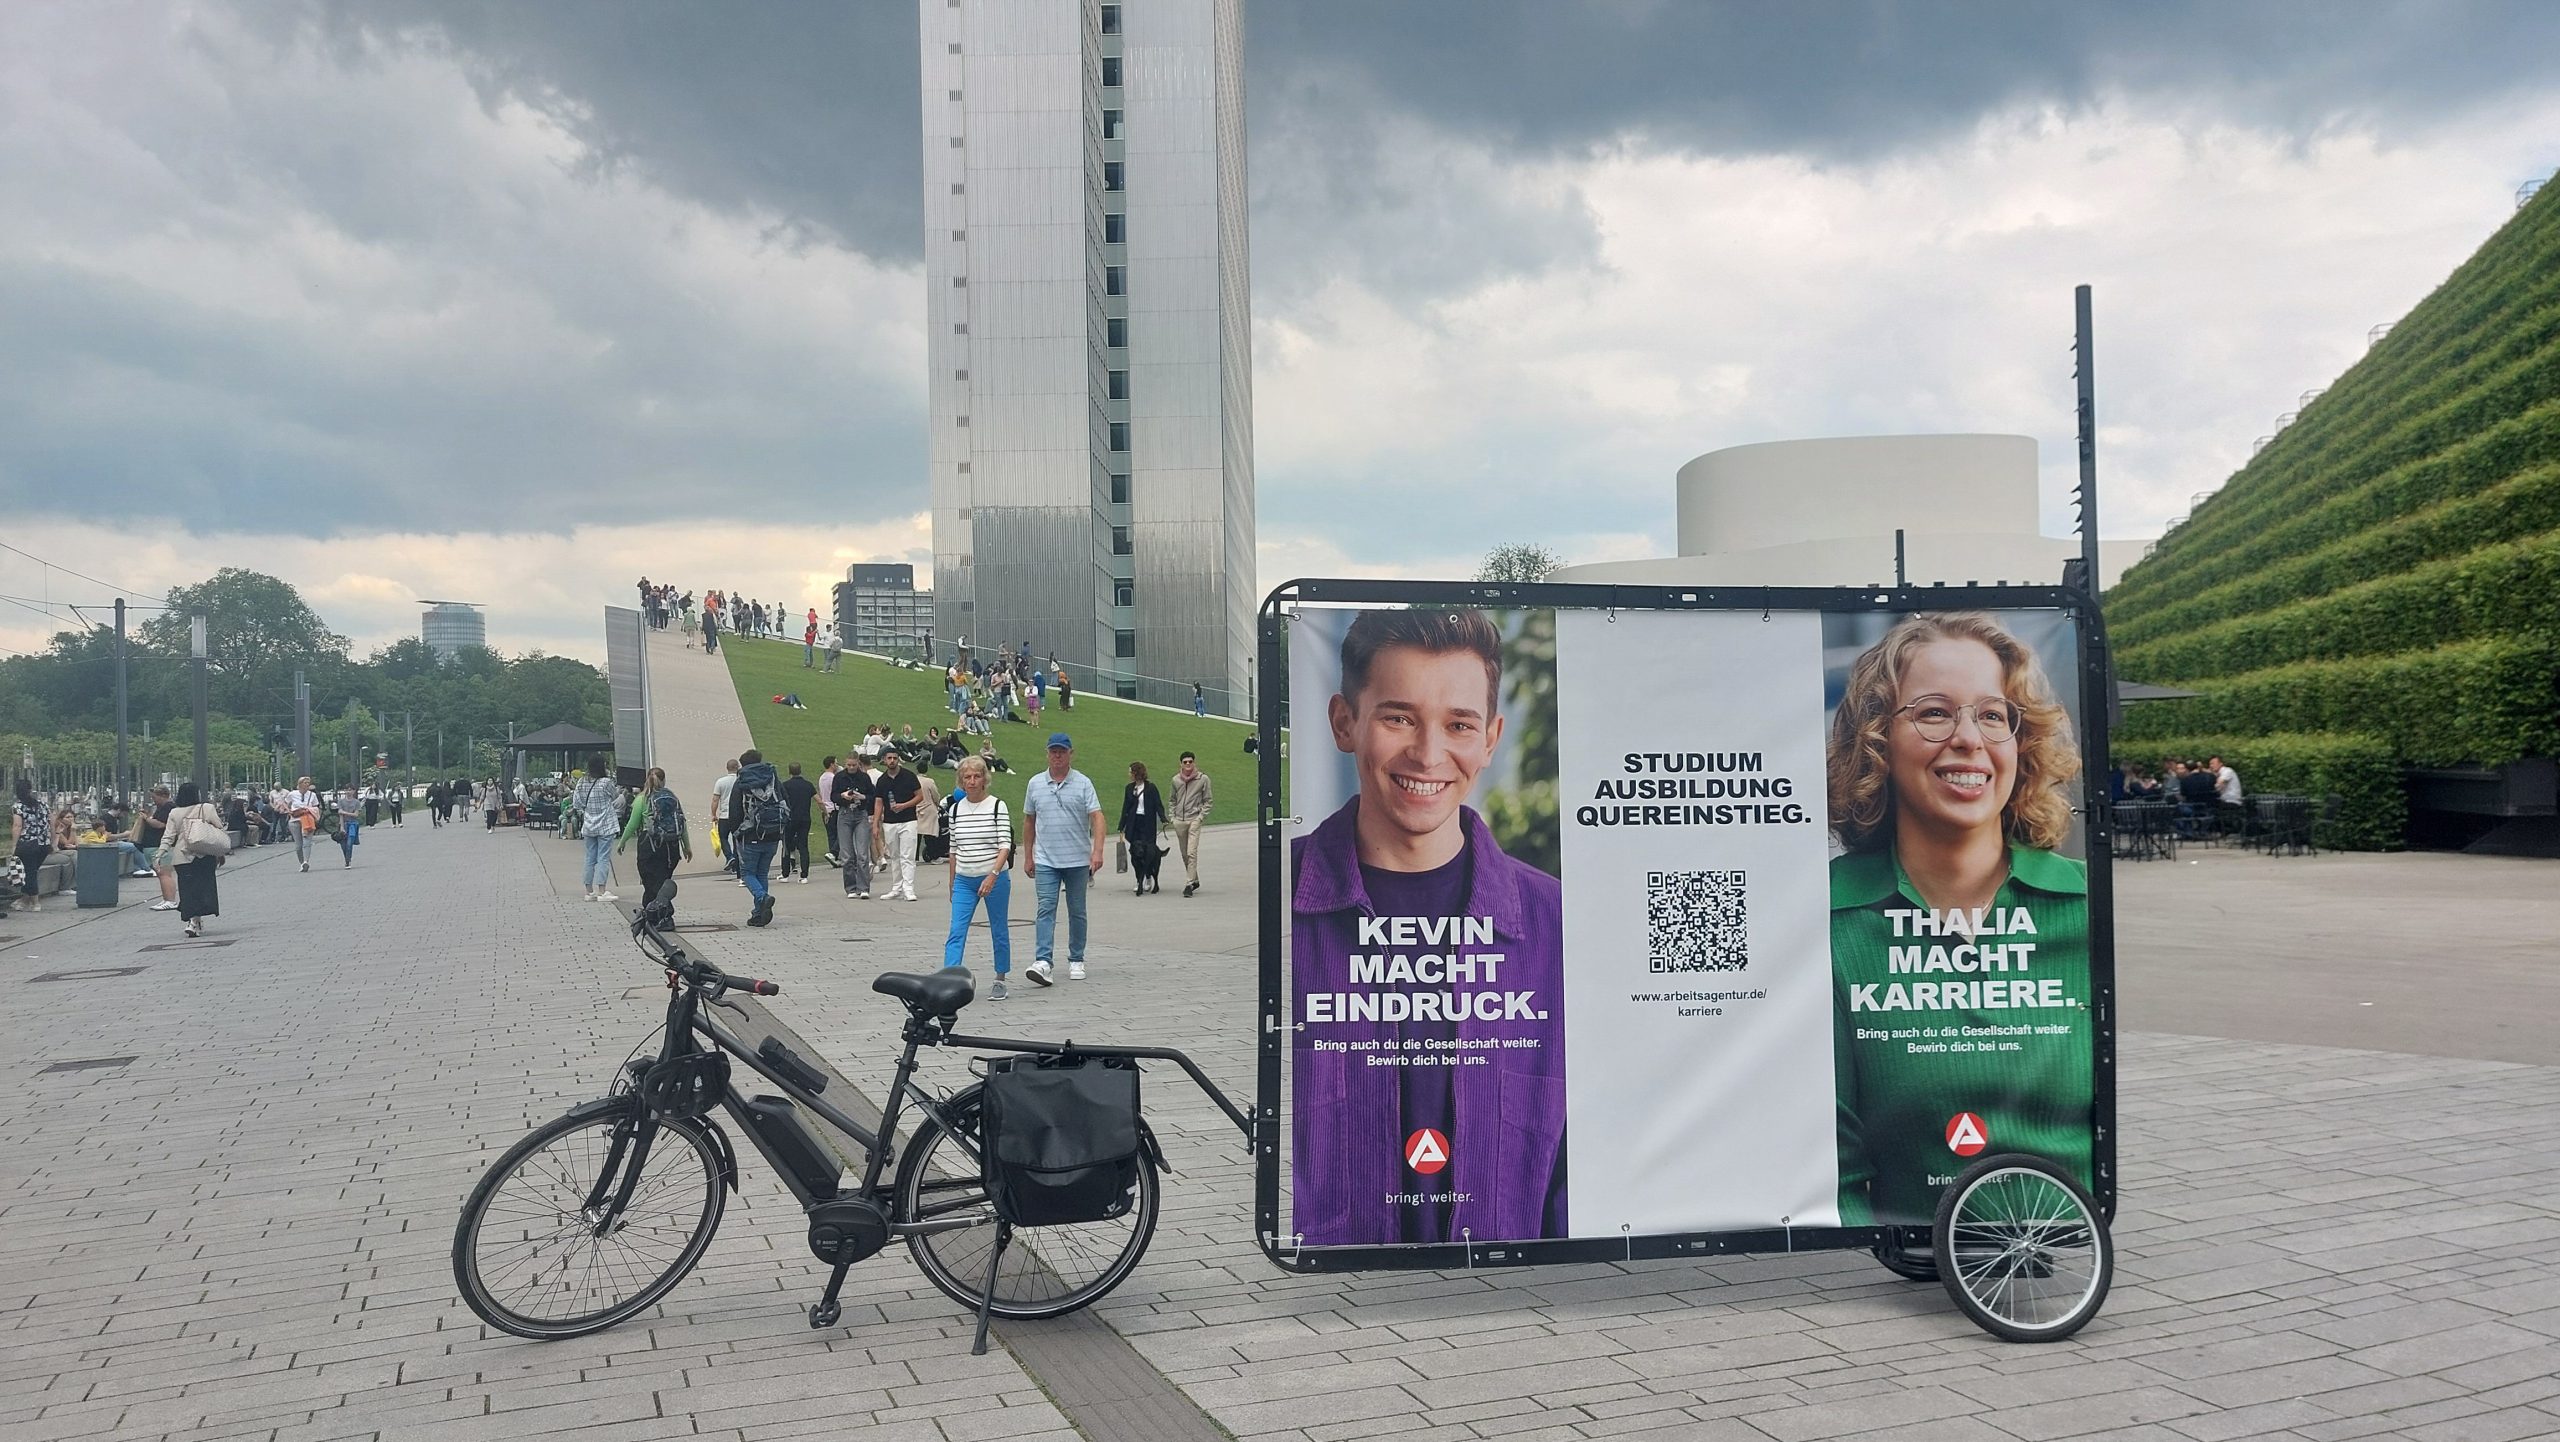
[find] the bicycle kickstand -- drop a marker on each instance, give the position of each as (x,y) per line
(987,1294)
(824,1312)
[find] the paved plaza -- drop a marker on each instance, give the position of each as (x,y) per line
(230,1185)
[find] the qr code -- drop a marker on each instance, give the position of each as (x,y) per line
(1696,921)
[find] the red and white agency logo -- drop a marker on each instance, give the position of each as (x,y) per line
(1966,1135)
(1426,1151)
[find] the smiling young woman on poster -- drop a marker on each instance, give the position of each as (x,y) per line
(1959,935)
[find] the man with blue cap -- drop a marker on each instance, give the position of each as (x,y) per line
(1061,850)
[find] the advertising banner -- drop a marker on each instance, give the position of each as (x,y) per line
(1626,923)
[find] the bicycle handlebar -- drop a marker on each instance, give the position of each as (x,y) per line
(695,972)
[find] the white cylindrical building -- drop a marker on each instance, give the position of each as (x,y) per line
(1824,513)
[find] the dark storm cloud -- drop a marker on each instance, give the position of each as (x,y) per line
(807,108)
(1852,78)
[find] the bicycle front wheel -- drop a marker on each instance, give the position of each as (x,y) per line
(1046,1271)
(533,1259)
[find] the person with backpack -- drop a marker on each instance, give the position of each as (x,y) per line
(757,816)
(853,793)
(350,823)
(657,823)
(980,830)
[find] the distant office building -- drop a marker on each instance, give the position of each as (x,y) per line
(1089,375)
(878,608)
(451,625)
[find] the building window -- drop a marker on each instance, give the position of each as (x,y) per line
(1124,643)
(955,94)
(959,375)
(1119,382)
(1123,593)
(1119,435)
(957,188)
(1115,332)
(959,235)
(1120,489)
(964,468)
(1111,71)
(960,327)
(959,282)
(1120,540)
(1125,690)
(1110,19)
(1115,280)
(961,421)
(1112,175)
(1111,125)
(957,142)
(964,513)
(1115,229)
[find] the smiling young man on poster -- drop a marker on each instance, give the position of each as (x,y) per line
(1429,1070)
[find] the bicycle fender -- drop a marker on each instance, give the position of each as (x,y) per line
(1153,1149)
(726,1154)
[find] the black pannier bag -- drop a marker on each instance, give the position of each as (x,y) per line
(1060,1139)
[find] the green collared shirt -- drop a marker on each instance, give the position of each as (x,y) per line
(1941,1017)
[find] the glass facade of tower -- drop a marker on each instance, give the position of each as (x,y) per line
(449,626)
(1087,313)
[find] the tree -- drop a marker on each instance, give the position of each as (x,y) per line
(1524,561)
(406,658)
(257,629)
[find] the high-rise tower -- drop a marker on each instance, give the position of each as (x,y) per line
(1087,312)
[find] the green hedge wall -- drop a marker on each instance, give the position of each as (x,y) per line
(2525,505)
(2494,591)
(2481,463)
(2489,701)
(2480,332)
(2373,813)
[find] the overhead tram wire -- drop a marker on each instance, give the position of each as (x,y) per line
(121,590)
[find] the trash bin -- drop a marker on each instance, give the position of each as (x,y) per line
(96,874)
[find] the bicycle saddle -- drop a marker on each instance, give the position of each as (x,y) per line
(935,993)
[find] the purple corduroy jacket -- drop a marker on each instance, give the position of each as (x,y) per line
(1506,1131)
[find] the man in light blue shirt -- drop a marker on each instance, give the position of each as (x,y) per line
(1061,850)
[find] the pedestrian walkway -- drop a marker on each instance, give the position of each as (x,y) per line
(230,1217)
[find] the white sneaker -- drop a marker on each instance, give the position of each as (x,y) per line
(1038,971)
(164,906)
(804,881)
(607,896)
(1075,971)
(587,896)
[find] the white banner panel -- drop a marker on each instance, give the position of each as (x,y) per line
(1698,1009)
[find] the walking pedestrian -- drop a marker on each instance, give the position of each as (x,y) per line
(151,827)
(1189,806)
(1061,850)
(797,794)
(198,895)
(492,801)
(302,808)
(398,797)
(894,804)
(835,647)
(711,631)
(722,830)
(31,841)
(1141,809)
(349,824)
(657,823)
(980,830)
(855,791)
(595,801)
(1199,700)
(756,815)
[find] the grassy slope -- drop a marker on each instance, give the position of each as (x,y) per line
(1109,733)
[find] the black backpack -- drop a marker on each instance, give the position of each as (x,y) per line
(764,813)
(1061,1139)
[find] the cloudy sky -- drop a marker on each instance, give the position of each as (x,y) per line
(512,300)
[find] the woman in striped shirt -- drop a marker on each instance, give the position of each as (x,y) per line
(980,830)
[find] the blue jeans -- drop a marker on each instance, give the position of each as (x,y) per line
(128,849)
(1046,882)
(599,859)
(755,859)
(348,826)
(964,909)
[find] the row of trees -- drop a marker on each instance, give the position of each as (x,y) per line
(59,706)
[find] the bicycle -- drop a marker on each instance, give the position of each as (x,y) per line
(594,1216)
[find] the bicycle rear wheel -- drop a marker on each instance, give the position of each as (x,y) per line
(2022,1250)
(1046,1271)
(533,1259)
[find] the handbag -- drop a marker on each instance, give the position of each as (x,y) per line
(199,839)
